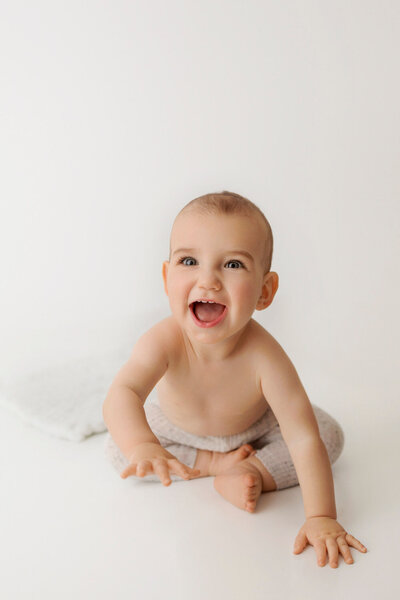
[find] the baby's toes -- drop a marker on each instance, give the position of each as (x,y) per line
(251,481)
(250,485)
(244,451)
(251,500)
(251,505)
(252,490)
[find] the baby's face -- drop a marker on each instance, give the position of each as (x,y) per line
(219,258)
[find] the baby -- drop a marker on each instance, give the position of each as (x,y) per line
(230,403)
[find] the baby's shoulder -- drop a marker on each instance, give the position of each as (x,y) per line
(264,345)
(259,336)
(167,335)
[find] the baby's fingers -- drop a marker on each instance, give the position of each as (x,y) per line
(352,541)
(182,470)
(129,470)
(320,550)
(142,468)
(161,469)
(139,469)
(333,552)
(345,550)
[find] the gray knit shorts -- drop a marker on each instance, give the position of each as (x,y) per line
(264,435)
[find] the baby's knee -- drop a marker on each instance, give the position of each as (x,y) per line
(331,434)
(114,455)
(336,442)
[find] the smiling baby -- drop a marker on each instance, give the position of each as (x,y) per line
(230,403)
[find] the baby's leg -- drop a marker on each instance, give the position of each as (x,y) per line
(272,467)
(207,461)
(275,456)
(212,463)
(242,484)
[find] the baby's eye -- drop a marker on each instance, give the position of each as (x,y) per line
(237,264)
(187,258)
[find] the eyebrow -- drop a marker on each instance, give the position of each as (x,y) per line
(242,252)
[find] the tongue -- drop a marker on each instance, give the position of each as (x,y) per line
(208,312)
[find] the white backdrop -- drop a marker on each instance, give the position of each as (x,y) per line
(114,114)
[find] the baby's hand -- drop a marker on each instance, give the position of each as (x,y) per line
(324,534)
(151,457)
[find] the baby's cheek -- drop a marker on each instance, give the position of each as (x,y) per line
(245,294)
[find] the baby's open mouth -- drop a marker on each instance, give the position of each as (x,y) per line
(207,311)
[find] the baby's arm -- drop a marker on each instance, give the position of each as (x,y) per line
(284,392)
(289,402)
(124,414)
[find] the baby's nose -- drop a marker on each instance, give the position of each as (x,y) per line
(209,280)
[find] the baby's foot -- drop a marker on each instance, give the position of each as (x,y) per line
(241,485)
(221,461)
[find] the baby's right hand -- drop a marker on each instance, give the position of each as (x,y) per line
(151,457)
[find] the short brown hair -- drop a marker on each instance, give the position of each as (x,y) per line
(229,203)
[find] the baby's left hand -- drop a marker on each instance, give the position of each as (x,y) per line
(324,534)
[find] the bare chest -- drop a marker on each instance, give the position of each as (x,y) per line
(212,400)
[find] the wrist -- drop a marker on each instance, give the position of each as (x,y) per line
(321,517)
(133,448)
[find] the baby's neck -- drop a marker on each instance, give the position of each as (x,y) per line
(217,352)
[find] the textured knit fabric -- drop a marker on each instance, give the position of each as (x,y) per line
(65,400)
(264,435)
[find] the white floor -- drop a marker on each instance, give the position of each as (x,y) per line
(71,528)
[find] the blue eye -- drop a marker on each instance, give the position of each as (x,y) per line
(188,261)
(182,261)
(235,262)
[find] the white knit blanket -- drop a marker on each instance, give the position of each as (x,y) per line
(65,401)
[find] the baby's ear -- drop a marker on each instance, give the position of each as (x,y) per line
(269,289)
(164,274)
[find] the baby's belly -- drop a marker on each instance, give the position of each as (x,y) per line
(217,419)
